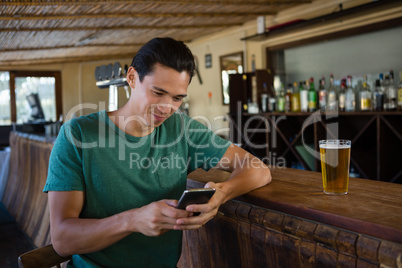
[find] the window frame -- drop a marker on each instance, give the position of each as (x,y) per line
(58,97)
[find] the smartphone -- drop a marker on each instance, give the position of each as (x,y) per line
(195,196)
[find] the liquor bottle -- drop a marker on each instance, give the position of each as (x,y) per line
(281,99)
(303,97)
(384,87)
(342,96)
(400,93)
(322,95)
(331,92)
(288,98)
(358,89)
(264,99)
(272,101)
(391,93)
(378,97)
(381,79)
(312,97)
(271,104)
(295,98)
(381,76)
(264,102)
(365,96)
(350,102)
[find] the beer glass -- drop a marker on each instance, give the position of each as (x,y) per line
(335,161)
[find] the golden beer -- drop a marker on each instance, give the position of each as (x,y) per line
(335,160)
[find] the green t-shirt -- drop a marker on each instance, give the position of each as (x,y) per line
(119,172)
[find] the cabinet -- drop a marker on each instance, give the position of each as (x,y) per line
(243,87)
(291,140)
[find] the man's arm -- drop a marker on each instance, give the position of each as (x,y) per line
(248,173)
(73,235)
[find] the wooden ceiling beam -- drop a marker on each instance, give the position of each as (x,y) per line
(132,15)
(159,2)
(66,47)
(16,62)
(137,27)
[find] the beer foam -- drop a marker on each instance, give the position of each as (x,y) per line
(334,146)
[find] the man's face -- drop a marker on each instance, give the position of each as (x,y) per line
(159,95)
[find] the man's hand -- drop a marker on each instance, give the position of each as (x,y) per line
(248,173)
(158,217)
(74,235)
(208,210)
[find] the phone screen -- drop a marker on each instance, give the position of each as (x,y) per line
(195,196)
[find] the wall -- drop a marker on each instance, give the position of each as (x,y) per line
(370,53)
(212,112)
(90,93)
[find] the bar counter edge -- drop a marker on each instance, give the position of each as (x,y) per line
(299,193)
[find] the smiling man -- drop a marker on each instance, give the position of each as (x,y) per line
(114,177)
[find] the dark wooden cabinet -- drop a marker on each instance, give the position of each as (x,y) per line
(241,88)
(291,140)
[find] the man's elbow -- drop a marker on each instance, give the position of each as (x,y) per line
(60,247)
(266,176)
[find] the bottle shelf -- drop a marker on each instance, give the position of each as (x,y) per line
(376,139)
(328,113)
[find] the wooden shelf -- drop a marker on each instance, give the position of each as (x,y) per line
(376,139)
(329,113)
(334,19)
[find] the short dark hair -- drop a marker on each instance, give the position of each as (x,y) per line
(166,51)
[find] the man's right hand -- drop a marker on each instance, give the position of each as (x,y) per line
(157,218)
(73,235)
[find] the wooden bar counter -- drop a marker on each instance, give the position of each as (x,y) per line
(23,197)
(292,223)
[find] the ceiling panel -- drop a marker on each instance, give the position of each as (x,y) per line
(37,31)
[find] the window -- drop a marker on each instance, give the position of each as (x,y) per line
(44,87)
(14,104)
(5,108)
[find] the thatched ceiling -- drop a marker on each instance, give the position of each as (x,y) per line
(37,31)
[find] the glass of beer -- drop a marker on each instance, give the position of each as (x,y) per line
(335,161)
